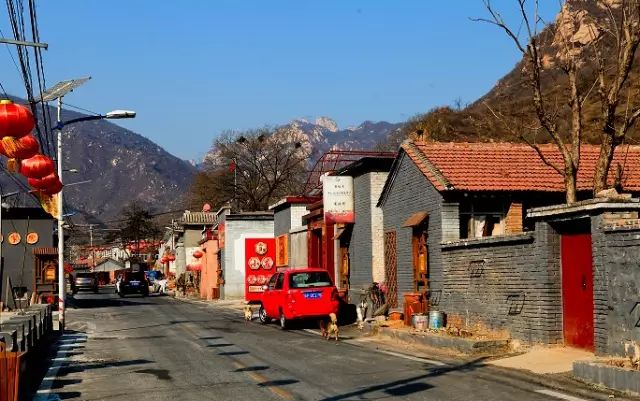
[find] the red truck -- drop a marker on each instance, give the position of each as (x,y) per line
(298,294)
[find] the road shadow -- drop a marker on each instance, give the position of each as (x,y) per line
(410,385)
(95,303)
(251,369)
(160,374)
(79,367)
(278,383)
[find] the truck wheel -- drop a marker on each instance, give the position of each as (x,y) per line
(284,323)
(262,315)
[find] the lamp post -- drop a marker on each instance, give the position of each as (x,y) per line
(116,114)
(57,92)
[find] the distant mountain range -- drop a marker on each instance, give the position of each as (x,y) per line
(120,165)
(324,134)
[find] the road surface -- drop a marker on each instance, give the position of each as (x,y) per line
(158,348)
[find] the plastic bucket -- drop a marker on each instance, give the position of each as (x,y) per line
(436,319)
(420,321)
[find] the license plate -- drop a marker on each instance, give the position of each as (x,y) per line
(134,283)
(312,295)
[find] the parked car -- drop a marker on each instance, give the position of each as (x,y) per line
(298,294)
(84,281)
(133,283)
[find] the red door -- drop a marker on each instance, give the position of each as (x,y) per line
(577,290)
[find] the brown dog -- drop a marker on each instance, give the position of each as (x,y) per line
(330,328)
(248,313)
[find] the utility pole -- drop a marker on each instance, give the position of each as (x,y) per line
(62,285)
(93,255)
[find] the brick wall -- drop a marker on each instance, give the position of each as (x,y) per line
(503,284)
(377,226)
(513,220)
(360,243)
(616,269)
(410,193)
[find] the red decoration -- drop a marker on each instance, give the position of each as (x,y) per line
(37,166)
(44,182)
(198,254)
(194,267)
(15,120)
(171,258)
(19,148)
(53,189)
(164,260)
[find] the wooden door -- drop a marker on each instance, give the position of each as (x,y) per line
(391,268)
(577,290)
(420,259)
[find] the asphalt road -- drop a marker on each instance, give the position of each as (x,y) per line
(158,348)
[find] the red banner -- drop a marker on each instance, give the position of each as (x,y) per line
(260,254)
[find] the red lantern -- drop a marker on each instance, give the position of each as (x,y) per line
(53,189)
(15,120)
(19,148)
(44,182)
(171,258)
(198,254)
(37,166)
(163,260)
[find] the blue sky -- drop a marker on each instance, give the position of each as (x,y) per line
(192,69)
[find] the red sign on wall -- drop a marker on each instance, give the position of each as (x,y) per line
(260,255)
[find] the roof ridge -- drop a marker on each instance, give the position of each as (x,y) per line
(432,168)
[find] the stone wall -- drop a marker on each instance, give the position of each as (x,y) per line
(500,284)
(616,267)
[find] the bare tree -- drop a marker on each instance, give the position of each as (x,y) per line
(584,33)
(251,170)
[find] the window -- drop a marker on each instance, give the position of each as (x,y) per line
(272,281)
(312,279)
(482,217)
(279,282)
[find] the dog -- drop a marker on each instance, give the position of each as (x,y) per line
(248,313)
(361,311)
(330,328)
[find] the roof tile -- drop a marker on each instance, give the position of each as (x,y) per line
(512,166)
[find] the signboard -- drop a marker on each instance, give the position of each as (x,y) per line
(282,250)
(337,199)
(259,265)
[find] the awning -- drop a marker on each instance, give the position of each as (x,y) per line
(343,232)
(415,219)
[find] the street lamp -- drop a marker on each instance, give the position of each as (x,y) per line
(57,92)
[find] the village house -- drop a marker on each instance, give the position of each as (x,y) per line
(290,233)
(359,245)
(27,249)
(247,252)
(455,231)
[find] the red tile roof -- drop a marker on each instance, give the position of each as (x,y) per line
(512,166)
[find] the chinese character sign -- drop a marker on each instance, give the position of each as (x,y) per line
(337,199)
(260,256)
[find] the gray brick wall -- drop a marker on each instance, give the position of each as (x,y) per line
(616,269)
(282,221)
(360,243)
(502,284)
(410,193)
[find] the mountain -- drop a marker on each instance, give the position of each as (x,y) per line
(323,134)
(506,112)
(122,167)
